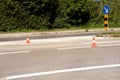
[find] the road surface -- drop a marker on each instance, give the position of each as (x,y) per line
(70,58)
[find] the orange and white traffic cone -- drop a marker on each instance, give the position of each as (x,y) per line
(94,43)
(28,40)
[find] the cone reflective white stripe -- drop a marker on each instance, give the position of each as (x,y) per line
(27,40)
(93,42)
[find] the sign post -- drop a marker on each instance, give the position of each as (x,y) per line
(105,22)
(106,10)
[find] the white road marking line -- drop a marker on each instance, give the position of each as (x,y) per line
(61,71)
(67,48)
(103,42)
(5,53)
(108,45)
(70,48)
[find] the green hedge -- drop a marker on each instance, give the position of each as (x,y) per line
(17,15)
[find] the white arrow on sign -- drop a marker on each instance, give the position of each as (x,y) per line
(106,10)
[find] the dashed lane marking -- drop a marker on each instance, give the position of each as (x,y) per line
(103,42)
(70,48)
(5,53)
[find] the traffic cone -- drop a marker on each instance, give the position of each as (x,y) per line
(94,43)
(28,40)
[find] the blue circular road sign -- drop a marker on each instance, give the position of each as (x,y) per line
(106,9)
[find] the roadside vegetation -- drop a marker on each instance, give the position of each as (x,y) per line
(42,15)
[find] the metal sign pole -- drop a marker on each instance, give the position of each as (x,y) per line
(106,10)
(106,22)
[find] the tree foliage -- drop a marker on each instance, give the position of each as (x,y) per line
(53,14)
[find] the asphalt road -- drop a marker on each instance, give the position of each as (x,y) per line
(70,58)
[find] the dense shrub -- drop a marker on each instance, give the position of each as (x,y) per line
(54,14)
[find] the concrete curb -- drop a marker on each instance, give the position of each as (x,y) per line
(25,34)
